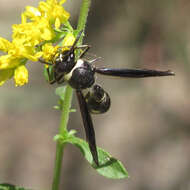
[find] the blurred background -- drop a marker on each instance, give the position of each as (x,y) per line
(148,125)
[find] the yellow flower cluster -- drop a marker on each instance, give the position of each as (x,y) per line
(37,25)
(49,51)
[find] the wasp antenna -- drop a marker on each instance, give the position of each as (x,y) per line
(76,41)
(94,60)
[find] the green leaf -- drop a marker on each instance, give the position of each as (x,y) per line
(109,167)
(58,137)
(68,25)
(57,107)
(49,77)
(71,133)
(60,91)
(6,186)
(72,110)
(66,137)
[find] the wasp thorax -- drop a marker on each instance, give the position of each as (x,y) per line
(82,75)
(98,100)
(64,62)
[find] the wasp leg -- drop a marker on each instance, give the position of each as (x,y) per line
(88,125)
(74,44)
(85,51)
(76,41)
(44,62)
(82,46)
(60,79)
(56,79)
(50,81)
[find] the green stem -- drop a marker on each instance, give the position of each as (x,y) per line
(62,130)
(83,16)
(67,104)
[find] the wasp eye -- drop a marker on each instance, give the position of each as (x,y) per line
(64,62)
(72,55)
(70,58)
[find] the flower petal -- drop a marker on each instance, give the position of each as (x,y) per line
(4,44)
(21,75)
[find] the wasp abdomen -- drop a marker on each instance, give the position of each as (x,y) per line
(98,100)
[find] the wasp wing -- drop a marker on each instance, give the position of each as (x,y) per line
(133,73)
(88,125)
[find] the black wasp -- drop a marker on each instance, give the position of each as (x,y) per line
(80,75)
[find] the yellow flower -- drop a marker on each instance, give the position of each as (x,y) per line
(8,62)
(21,75)
(49,51)
(32,33)
(55,13)
(4,45)
(9,67)
(37,26)
(31,12)
(51,10)
(68,40)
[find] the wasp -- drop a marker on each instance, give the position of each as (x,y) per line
(80,75)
